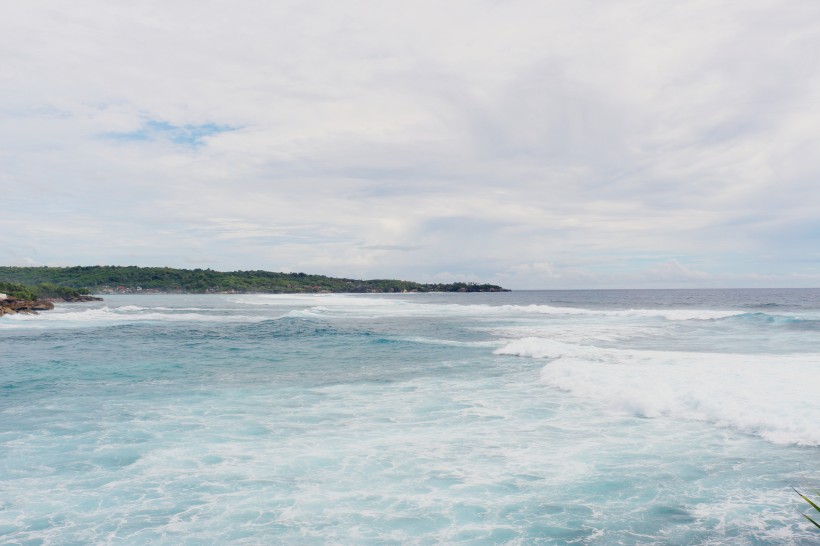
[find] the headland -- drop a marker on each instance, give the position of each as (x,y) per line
(133,279)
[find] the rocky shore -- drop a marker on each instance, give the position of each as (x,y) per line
(12,306)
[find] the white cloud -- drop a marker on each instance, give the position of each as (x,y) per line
(674,271)
(542,144)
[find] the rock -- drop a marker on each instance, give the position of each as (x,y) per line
(11,306)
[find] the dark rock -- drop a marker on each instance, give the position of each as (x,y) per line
(12,306)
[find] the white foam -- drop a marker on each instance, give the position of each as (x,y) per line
(159,308)
(104,315)
(187,309)
(453,343)
(576,331)
(668,314)
(400,305)
(773,396)
(329,300)
(675,314)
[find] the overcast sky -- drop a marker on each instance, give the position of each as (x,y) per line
(532,143)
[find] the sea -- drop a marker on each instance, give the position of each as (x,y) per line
(527,417)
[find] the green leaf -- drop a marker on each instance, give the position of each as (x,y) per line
(811,520)
(808,500)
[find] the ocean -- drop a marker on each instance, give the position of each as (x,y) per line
(528,417)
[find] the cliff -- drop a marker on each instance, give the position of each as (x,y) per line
(12,306)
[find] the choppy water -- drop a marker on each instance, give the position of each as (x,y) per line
(578,417)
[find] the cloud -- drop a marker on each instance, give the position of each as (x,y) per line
(542,144)
(674,271)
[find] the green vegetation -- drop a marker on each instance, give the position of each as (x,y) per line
(18,291)
(166,279)
(40,291)
(812,504)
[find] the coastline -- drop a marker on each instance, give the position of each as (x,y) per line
(14,306)
(133,279)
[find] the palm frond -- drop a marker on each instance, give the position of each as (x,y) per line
(811,503)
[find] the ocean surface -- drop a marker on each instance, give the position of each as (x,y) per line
(532,417)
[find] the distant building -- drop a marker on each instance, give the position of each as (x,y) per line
(3,297)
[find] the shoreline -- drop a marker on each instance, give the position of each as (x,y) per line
(14,306)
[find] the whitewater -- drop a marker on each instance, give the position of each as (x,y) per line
(529,417)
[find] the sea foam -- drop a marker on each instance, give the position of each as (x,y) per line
(355,306)
(106,315)
(765,395)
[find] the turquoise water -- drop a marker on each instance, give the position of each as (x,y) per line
(578,417)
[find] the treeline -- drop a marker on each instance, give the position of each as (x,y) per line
(41,291)
(166,279)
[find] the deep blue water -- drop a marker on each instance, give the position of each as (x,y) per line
(532,417)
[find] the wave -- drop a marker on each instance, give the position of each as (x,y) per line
(161,308)
(308,300)
(799,323)
(104,315)
(131,308)
(335,305)
(577,333)
(769,305)
(668,314)
(764,395)
(452,343)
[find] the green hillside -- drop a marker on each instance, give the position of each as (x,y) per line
(42,290)
(165,279)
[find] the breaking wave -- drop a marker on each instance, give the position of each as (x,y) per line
(765,319)
(334,305)
(764,395)
(125,314)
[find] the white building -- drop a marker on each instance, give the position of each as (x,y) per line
(3,297)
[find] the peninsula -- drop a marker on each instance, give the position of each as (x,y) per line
(18,298)
(133,279)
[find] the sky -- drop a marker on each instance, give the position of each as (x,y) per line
(529,143)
